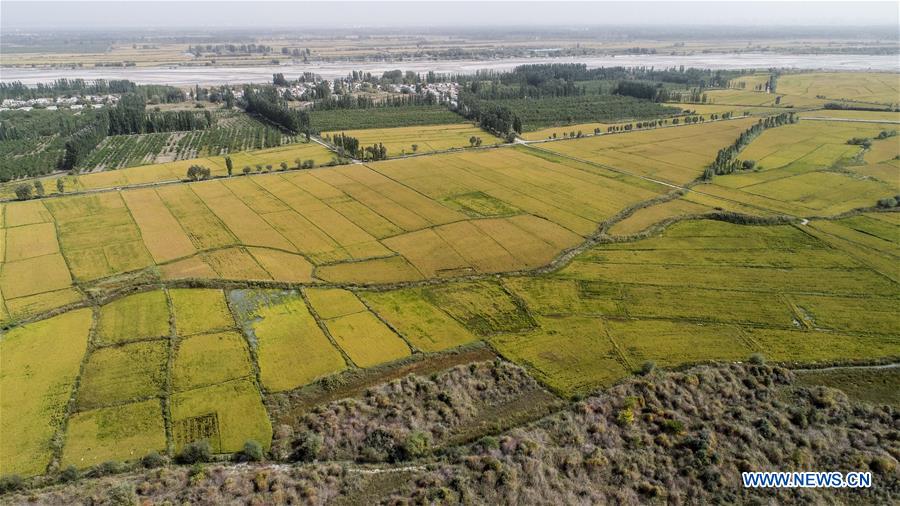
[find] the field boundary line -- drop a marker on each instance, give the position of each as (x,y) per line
(260,216)
(340,247)
(321,323)
(621,357)
(854,120)
(166,402)
(412,348)
(58,441)
(187,234)
(404,185)
(330,206)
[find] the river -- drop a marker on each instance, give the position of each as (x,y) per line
(212,75)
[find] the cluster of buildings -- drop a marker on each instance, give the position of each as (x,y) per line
(52,104)
(443,92)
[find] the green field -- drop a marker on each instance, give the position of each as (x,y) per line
(545,112)
(382,117)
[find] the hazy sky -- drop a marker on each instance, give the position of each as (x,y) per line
(324,14)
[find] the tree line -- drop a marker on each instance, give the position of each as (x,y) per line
(153,93)
(82,142)
(727,159)
(130,116)
(494,118)
(266,103)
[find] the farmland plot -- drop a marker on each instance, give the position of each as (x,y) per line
(400,141)
(808,168)
(676,155)
(38,373)
(118,374)
(291,348)
(872,87)
(226,415)
(124,433)
(365,338)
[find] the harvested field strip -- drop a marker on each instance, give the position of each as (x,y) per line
(39,369)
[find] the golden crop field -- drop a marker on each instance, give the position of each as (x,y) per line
(743,98)
(644,218)
(118,374)
(138,316)
(291,348)
(123,432)
(226,415)
(872,87)
(674,155)
(426,138)
(423,324)
(509,209)
(874,116)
